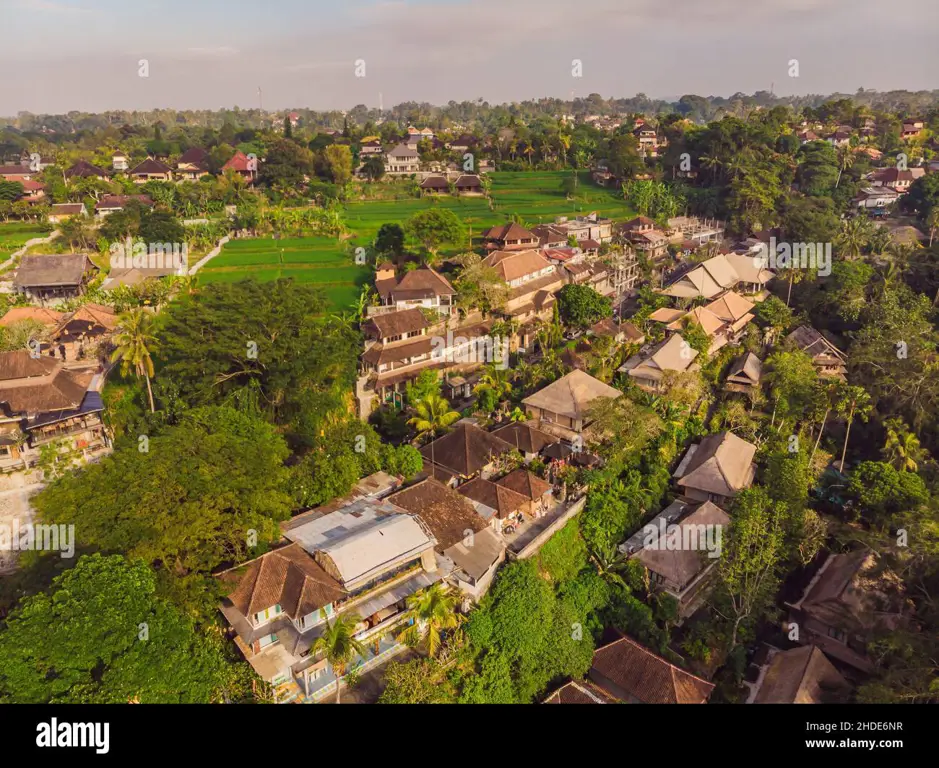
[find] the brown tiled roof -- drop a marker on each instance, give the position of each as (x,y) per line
(465,450)
(443,510)
(83,169)
(22,365)
(151,166)
(66,209)
(503,500)
(536,286)
(435,182)
(46,386)
(468,180)
(510,232)
(397,323)
(571,395)
(526,483)
(800,676)
(721,464)
(579,692)
(238,162)
(288,577)
(680,565)
(48,317)
(417,283)
(195,156)
(646,677)
(119,201)
(92,314)
(378,354)
(59,270)
(525,437)
(512,265)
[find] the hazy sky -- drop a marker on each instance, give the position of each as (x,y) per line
(60,55)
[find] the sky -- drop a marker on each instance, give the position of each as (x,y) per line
(88,55)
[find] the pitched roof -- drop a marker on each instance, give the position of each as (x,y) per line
(403,150)
(115,202)
(468,180)
(571,395)
(721,464)
(151,166)
(512,265)
(420,283)
(48,317)
(680,565)
(66,209)
(510,232)
(20,364)
(43,386)
(83,169)
(435,182)
(799,676)
(445,512)
(503,500)
(65,269)
(379,354)
(579,692)
(646,677)
(810,341)
(196,156)
(237,162)
(750,269)
(525,437)
(673,354)
(747,366)
(397,323)
(92,315)
(525,483)
(288,577)
(465,450)
(848,592)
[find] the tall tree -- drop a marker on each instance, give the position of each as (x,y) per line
(339,646)
(133,342)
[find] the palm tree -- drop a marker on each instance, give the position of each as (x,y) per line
(433,610)
(432,415)
(902,448)
(339,646)
(845,161)
(133,342)
(854,236)
(497,380)
(853,402)
(830,393)
(932,221)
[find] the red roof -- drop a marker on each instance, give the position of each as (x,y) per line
(238,162)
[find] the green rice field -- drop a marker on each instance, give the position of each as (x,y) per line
(14,235)
(536,197)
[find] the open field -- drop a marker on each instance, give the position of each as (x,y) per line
(13,235)
(319,260)
(536,197)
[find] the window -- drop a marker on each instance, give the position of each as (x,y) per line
(837,634)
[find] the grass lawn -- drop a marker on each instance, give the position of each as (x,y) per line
(13,236)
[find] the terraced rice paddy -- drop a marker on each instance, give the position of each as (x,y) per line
(320,260)
(536,197)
